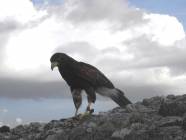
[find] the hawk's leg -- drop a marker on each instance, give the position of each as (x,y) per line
(91,97)
(77,98)
(76,111)
(89,110)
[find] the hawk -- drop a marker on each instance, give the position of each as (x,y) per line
(82,76)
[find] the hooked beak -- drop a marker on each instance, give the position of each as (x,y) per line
(53,65)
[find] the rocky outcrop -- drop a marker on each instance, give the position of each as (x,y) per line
(173,106)
(157,118)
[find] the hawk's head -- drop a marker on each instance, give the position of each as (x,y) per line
(59,59)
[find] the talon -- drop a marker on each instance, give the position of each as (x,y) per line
(86,114)
(91,111)
(88,109)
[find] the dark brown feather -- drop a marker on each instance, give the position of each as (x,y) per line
(92,75)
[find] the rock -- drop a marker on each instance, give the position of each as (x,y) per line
(184,121)
(170,121)
(121,133)
(136,117)
(157,118)
(173,106)
(92,124)
(137,126)
(57,136)
(153,102)
(4,129)
(172,97)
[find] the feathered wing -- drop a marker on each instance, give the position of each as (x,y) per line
(101,83)
(92,75)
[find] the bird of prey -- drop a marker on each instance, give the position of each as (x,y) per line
(82,76)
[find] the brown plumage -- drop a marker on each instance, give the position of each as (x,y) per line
(82,76)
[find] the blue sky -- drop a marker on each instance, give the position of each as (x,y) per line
(43,110)
(171,7)
(47,1)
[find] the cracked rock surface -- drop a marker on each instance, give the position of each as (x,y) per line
(157,118)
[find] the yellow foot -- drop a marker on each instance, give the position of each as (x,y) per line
(86,114)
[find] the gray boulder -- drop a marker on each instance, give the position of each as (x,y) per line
(173,106)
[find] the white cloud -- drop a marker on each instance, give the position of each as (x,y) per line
(1,124)
(164,29)
(20,10)
(19,121)
(115,12)
(124,42)
(30,49)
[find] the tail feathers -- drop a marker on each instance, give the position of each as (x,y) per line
(115,94)
(120,98)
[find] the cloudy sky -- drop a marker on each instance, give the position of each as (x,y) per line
(139,45)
